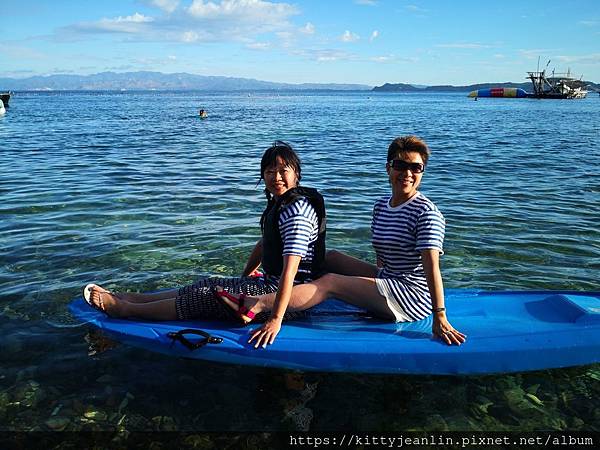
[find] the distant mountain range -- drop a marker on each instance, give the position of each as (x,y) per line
(186,81)
(158,81)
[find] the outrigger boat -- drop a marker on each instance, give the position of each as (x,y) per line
(558,85)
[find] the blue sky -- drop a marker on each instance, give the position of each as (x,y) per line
(336,41)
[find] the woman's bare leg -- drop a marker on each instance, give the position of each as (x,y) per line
(338,262)
(144,297)
(117,307)
(138,297)
(358,291)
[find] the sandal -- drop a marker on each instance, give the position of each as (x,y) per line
(87,296)
(237,305)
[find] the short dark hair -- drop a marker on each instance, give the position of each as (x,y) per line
(406,144)
(285,152)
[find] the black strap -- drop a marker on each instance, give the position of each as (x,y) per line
(179,336)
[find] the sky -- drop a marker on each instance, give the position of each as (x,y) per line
(372,42)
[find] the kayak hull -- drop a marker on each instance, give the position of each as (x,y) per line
(506,332)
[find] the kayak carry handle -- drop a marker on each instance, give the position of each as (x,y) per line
(179,336)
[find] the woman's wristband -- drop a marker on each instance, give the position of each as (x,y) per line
(437,310)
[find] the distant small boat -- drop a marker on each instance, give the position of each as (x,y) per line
(5,97)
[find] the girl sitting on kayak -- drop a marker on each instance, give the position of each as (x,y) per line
(408,234)
(292,250)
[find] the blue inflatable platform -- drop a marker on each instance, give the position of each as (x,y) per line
(506,332)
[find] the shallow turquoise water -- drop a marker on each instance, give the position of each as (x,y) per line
(134,190)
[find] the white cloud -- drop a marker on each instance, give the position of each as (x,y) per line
(348,36)
(166,5)
(331,55)
(21,52)
(259,46)
(593,58)
(382,59)
(415,9)
(324,55)
(366,2)
(374,35)
(201,21)
(536,53)
(129,24)
(464,45)
(309,28)
(242,10)
(589,23)
(190,36)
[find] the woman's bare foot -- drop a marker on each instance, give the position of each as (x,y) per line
(112,304)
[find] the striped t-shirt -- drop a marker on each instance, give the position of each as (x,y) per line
(399,235)
(299,229)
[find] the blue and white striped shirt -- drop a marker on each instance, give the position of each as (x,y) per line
(299,229)
(400,234)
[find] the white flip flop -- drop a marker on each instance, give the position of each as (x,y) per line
(87,295)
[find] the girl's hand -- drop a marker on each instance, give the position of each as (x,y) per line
(446,332)
(266,334)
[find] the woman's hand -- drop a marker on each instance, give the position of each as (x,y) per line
(267,333)
(446,332)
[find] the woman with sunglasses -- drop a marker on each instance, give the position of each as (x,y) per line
(292,250)
(408,233)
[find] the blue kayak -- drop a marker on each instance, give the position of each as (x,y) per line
(506,332)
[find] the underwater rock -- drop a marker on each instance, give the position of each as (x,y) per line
(301,417)
(294,381)
(12,344)
(518,403)
(459,421)
(187,380)
(13,314)
(95,415)
(57,423)
(164,423)
(125,402)
(436,422)
(29,394)
(503,415)
(106,379)
(136,422)
(369,421)
(576,423)
(199,442)
(478,410)
(534,399)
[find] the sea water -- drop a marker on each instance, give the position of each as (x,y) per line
(134,191)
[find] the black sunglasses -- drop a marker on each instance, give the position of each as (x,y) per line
(281,144)
(398,164)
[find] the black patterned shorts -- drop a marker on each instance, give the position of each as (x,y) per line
(198,300)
